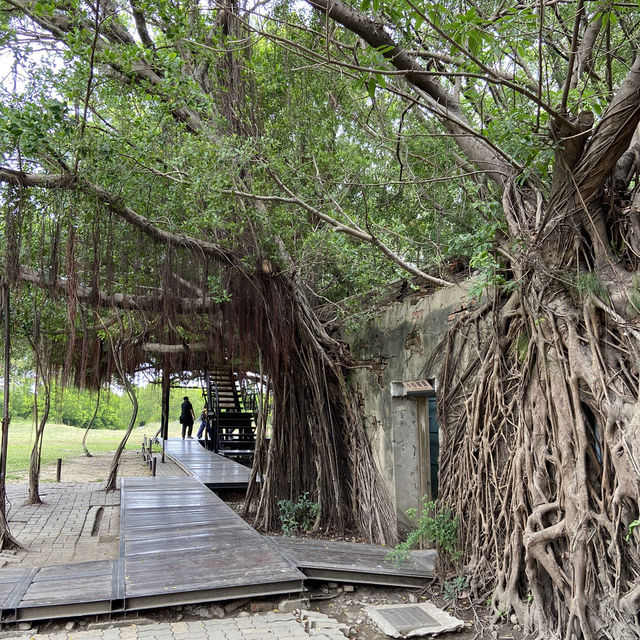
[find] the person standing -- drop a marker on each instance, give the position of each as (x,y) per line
(187,417)
(203,423)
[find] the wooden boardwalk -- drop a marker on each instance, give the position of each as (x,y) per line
(212,470)
(355,562)
(176,532)
(179,544)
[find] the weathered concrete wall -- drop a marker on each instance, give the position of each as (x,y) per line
(395,345)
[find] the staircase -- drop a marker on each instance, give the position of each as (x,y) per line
(232,427)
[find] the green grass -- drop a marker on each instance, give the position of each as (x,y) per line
(62,441)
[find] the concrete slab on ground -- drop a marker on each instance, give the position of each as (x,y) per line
(411,620)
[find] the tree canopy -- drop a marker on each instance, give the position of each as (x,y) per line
(191,177)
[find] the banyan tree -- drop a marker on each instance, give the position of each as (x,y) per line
(228,176)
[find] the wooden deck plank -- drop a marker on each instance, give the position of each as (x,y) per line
(323,558)
(212,470)
(77,569)
(70,584)
(18,588)
(203,545)
(209,571)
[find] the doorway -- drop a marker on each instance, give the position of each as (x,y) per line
(429,447)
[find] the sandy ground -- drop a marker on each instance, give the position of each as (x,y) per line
(93,469)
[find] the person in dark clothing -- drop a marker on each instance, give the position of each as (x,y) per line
(187,417)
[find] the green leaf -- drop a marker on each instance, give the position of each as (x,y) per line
(371,88)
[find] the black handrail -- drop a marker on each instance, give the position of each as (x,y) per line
(213,412)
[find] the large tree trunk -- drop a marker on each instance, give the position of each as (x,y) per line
(541,430)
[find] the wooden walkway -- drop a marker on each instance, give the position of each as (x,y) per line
(355,562)
(212,470)
(177,533)
(179,544)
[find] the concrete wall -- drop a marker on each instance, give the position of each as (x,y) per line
(395,345)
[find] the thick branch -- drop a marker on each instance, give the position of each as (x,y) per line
(154,302)
(173,349)
(452,118)
(116,206)
(612,136)
(141,25)
(585,50)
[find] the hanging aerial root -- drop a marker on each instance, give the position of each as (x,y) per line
(533,462)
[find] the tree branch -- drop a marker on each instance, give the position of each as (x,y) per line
(141,25)
(452,117)
(116,206)
(103,299)
(138,71)
(353,231)
(612,136)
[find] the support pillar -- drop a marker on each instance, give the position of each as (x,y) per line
(166,390)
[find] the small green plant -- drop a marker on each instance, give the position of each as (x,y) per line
(298,515)
(453,588)
(435,525)
(632,526)
(589,285)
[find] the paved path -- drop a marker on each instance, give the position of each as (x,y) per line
(77,522)
(266,626)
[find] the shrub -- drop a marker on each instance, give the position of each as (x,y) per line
(298,515)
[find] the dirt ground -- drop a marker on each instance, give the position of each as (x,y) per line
(345,604)
(93,469)
(331,599)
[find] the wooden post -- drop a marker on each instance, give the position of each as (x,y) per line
(166,390)
(163,443)
(58,469)
(153,465)
(4,532)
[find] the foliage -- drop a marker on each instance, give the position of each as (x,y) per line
(589,284)
(434,524)
(74,407)
(298,515)
(454,587)
(632,526)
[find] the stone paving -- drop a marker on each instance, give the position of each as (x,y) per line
(77,521)
(265,626)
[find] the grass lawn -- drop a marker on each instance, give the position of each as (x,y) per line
(62,441)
